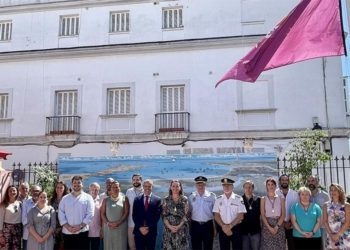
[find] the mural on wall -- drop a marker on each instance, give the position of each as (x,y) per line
(162,169)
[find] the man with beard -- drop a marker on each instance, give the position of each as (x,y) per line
(132,193)
(27,205)
(75,212)
(291,197)
(320,197)
(108,188)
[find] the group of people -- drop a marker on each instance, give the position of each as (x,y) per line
(283,218)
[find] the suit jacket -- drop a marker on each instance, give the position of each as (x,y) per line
(147,218)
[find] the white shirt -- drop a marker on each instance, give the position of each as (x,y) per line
(27,205)
(291,198)
(201,206)
(76,210)
(131,193)
(229,208)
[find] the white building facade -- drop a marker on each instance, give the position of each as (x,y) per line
(102,77)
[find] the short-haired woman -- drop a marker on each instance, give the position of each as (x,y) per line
(306,218)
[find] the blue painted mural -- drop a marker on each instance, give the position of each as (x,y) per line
(162,169)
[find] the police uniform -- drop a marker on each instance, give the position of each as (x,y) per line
(228,209)
(202,226)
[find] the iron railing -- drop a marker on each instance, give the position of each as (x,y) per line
(336,170)
(67,124)
(26,173)
(172,122)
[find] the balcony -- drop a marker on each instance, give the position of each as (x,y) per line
(172,122)
(63,125)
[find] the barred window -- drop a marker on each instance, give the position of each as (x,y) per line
(69,25)
(119,21)
(5,30)
(4,99)
(66,103)
(172,18)
(118,101)
(173,98)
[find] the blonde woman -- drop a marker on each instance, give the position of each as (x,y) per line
(306,218)
(336,215)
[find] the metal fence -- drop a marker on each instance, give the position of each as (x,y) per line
(336,170)
(26,173)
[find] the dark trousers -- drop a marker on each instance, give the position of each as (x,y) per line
(202,235)
(94,243)
(307,243)
(76,241)
(145,242)
(290,239)
(235,239)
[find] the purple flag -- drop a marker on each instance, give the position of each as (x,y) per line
(312,29)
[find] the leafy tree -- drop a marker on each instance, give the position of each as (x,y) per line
(304,153)
(46,178)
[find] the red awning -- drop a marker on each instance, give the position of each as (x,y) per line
(3,155)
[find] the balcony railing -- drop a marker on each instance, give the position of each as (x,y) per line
(62,125)
(172,122)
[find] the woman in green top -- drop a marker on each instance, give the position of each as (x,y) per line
(306,218)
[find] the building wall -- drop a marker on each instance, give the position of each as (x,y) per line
(37,62)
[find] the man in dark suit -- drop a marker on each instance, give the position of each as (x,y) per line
(146,213)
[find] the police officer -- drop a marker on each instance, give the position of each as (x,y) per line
(201,208)
(228,213)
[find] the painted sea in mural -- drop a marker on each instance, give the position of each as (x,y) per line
(163,168)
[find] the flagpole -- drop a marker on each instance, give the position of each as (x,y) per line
(326,102)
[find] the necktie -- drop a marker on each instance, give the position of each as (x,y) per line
(146,203)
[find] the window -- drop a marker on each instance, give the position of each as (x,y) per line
(5,30)
(4,104)
(118,101)
(119,22)
(69,25)
(66,103)
(173,99)
(172,18)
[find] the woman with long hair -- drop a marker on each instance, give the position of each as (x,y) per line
(336,215)
(11,220)
(175,218)
(114,213)
(306,218)
(272,209)
(42,224)
(61,190)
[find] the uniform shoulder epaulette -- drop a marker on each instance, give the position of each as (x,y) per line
(220,196)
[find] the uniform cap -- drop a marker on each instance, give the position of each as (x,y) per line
(200,179)
(225,181)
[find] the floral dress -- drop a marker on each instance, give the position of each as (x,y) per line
(336,219)
(174,212)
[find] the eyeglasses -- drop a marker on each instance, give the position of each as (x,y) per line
(16,208)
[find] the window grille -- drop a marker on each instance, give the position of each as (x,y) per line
(172,18)
(69,25)
(4,99)
(5,30)
(118,101)
(119,22)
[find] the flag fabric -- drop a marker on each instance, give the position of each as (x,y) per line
(312,29)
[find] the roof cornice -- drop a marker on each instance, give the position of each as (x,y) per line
(131,48)
(34,6)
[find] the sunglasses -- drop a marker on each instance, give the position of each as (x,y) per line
(16,208)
